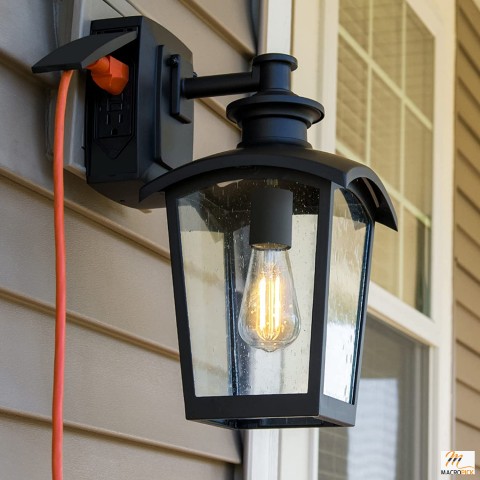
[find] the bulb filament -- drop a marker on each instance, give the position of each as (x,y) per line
(269,321)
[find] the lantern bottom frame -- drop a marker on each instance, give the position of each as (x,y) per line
(264,423)
(314,409)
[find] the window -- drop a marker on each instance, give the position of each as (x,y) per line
(385,119)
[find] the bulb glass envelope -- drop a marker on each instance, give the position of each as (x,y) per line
(312,380)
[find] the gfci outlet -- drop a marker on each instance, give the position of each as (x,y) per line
(114,118)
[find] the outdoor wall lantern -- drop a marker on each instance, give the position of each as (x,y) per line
(270,243)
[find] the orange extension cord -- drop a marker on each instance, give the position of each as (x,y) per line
(111,75)
(61,281)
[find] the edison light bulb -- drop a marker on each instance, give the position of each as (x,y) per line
(269,317)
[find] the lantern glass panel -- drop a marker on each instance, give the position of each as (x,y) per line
(348,267)
(214,232)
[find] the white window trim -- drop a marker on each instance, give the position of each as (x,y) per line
(316,78)
(275,22)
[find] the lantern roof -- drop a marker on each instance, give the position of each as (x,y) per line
(283,158)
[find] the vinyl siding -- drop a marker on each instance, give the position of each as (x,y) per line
(124,415)
(467,228)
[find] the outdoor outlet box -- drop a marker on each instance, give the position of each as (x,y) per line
(119,142)
(136,136)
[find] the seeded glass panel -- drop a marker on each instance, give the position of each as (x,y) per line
(387,37)
(419,63)
(350,230)
(416,277)
(386,249)
(214,227)
(205,285)
(286,370)
(354,18)
(351,100)
(389,439)
(418,163)
(385,135)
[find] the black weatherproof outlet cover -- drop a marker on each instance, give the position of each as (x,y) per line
(138,135)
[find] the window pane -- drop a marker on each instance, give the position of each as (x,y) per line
(354,17)
(387,37)
(390,437)
(352,100)
(385,134)
(419,64)
(386,249)
(418,163)
(416,278)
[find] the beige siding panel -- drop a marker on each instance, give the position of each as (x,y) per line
(468,144)
(25,454)
(468,20)
(467,217)
(468,367)
(468,438)
(226,136)
(467,328)
(468,74)
(211,54)
(467,232)
(22,110)
(27,32)
(111,384)
(468,108)
(467,291)
(467,404)
(229,18)
(468,255)
(110,278)
(468,180)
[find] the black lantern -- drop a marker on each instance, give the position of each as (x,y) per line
(271,246)
(270,243)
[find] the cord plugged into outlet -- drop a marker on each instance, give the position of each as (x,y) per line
(112,76)
(109,74)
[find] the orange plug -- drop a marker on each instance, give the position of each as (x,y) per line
(110,74)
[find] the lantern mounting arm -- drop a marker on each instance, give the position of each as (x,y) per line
(269,73)
(274,113)
(217,85)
